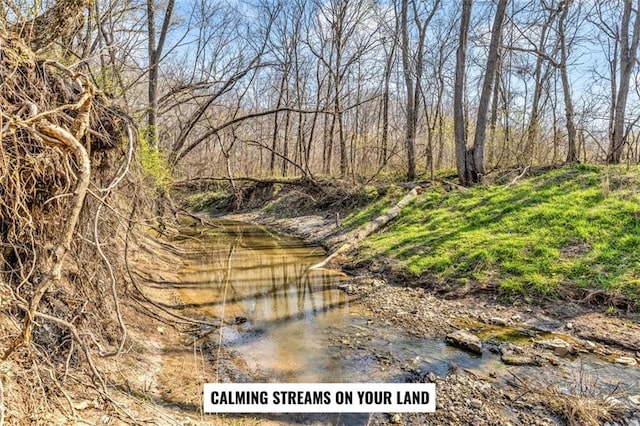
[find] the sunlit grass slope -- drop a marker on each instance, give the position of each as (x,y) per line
(573,226)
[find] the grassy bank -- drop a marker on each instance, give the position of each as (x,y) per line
(570,227)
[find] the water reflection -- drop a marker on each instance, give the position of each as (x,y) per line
(289,323)
(278,313)
(248,274)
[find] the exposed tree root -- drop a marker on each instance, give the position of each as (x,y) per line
(591,297)
(61,271)
(57,136)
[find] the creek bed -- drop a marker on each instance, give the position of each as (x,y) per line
(289,323)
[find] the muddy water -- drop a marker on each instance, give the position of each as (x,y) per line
(292,324)
(277,312)
(287,322)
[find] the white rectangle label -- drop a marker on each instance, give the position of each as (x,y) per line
(319,397)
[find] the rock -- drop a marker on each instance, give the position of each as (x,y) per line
(514,355)
(609,330)
(553,360)
(347,288)
(476,403)
(554,344)
(396,419)
(626,360)
(241,320)
(160,330)
(606,351)
(635,399)
(613,401)
(82,405)
(511,359)
(498,321)
(527,332)
(590,346)
(569,326)
(562,351)
(516,318)
(465,340)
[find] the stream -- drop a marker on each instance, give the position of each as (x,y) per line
(291,324)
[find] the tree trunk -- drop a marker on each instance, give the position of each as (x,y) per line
(285,144)
(276,121)
(572,150)
(493,120)
(413,76)
(459,122)
(388,68)
(485,96)
(534,120)
(154,52)
(410,125)
(628,53)
(358,235)
(327,153)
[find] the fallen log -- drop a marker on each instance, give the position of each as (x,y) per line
(372,226)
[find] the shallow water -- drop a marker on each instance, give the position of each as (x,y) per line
(277,311)
(293,324)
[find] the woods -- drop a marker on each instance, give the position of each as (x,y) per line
(452,148)
(352,89)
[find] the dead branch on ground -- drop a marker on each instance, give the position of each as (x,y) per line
(372,227)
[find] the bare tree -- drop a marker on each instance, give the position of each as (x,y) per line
(627,58)
(572,148)
(360,85)
(485,96)
(154,50)
(413,66)
(434,92)
(463,158)
(470,163)
(540,76)
(389,44)
(342,38)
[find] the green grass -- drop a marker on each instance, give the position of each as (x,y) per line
(572,226)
